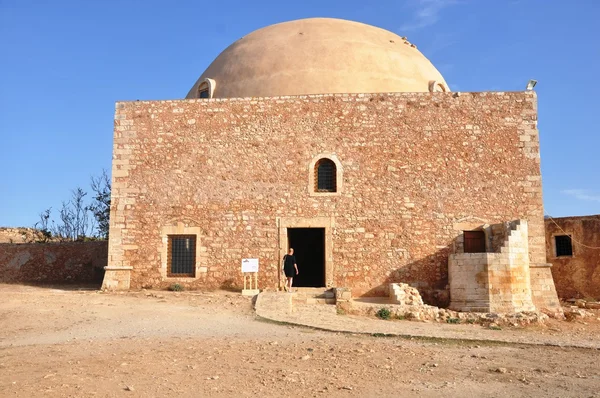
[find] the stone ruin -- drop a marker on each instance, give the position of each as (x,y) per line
(405,302)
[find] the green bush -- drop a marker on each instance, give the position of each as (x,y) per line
(383,313)
(453,320)
(176,287)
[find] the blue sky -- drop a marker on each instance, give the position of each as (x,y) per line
(65,63)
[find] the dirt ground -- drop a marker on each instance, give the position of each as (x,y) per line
(80,343)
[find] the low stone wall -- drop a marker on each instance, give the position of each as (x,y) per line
(65,262)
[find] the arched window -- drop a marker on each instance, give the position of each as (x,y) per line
(203,90)
(437,87)
(206,89)
(325,176)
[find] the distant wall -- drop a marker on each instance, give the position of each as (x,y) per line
(53,262)
(18,235)
(576,276)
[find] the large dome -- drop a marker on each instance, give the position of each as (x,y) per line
(318,56)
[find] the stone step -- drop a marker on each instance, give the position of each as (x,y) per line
(304,295)
(310,300)
(312,292)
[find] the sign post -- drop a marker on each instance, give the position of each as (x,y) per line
(250,274)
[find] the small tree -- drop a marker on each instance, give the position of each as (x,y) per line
(100,206)
(43,226)
(74,218)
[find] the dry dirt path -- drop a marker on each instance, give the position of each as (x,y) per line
(60,343)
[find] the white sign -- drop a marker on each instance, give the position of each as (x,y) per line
(250,265)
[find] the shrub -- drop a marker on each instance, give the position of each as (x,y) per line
(176,287)
(453,320)
(383,313)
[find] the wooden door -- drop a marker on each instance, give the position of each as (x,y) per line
(474,241)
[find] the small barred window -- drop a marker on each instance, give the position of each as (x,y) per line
(563,245)
(182,256)
(325,176)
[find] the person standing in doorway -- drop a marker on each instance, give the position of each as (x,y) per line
(290,268)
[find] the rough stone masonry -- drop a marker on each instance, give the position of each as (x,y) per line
(236,173)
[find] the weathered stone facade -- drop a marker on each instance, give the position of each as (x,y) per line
(235,174)
(53,262)
(578,275)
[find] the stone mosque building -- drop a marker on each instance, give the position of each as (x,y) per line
(343,141)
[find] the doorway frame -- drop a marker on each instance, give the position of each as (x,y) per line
(312,273)
(327,223)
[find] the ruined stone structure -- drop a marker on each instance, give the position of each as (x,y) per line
(573,248)
(338,139)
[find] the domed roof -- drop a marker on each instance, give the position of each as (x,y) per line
(318,56)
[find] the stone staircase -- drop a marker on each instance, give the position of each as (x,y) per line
(496,281)
(514,236)
(313,295)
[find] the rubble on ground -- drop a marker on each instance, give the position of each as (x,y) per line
(581,303)
(406,303)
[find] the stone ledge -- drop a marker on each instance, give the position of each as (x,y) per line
(117,278)
(540,265)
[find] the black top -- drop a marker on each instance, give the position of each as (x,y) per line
(289,260)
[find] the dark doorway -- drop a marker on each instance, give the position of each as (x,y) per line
(309,249)
(474,241)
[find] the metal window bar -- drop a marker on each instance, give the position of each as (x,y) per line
(564,246)
(326,176)
(182,255)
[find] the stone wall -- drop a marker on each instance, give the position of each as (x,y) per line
(235,173)
(543,292)
(81,262)
(577,276)
(18,235)
(493,282)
